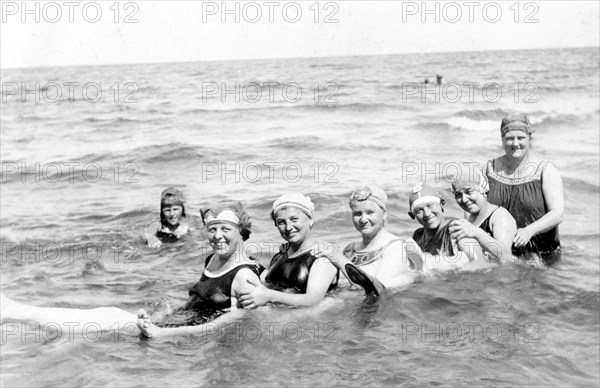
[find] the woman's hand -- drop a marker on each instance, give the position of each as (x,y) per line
(460,229)
(154,242)
(258,296)
(523,236)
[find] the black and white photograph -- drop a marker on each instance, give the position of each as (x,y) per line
(305,193)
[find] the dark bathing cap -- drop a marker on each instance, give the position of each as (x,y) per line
(516,122)
(170,197)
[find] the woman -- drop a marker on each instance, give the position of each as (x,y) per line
(294,268)
(170,227)
(530,188)
(492,226)
(227,274)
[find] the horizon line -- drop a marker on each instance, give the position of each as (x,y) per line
(292,58)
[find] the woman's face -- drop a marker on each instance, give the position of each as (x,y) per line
(172,214)
(516,144)
(224,238)
(293,225)
(470,200)
(368,218)
(429,214)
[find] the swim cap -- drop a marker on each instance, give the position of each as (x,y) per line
(371,193)
(171,196)
(476,181)
(231,213)
(422,193)
(516,122)
(297,200)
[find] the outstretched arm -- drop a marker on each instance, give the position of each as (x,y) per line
(552,189)
(149,235)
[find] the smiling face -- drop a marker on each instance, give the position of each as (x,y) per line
(293,225)
(470,200)
(172,215)
(224,238)
(516,144)
(368,218)
(429,214)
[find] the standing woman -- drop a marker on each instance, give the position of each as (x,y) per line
(530,188)
(296,277)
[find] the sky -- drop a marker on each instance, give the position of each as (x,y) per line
(63,33)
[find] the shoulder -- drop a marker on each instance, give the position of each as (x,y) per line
(418,233)
(501,215)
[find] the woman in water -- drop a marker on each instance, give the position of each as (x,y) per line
(492,226)
(530,188)
(294,268)
(227,274)
(379,260)
(170,227)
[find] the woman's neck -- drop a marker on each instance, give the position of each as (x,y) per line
(220,262)
(512,164)
(298,249)
(372,240)
(477,219)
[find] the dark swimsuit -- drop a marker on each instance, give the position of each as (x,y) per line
(439,244)
(524,200)
(285,273)
(210,296)
(165,235)
(363,258)
(485,225)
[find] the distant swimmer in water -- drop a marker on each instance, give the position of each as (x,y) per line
(227,273)
(492,226)
(438,79)
(531,189)
(171,226)
(295,277)
(440,251)
(378,261)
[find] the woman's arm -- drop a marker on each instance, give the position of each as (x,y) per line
(394,270)
(149,235)
(552,189)
(499,247)
(320,277)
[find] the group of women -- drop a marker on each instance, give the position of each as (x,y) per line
(513,208)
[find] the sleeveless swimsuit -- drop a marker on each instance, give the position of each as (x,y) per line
(485,225)
(364,258)
(439,244)
(285,273)
(210,296)
(524,200)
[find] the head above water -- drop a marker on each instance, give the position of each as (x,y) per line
(171,197)
(297,200)
(369,193)
(516,122)
(231,213)
(422,193)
